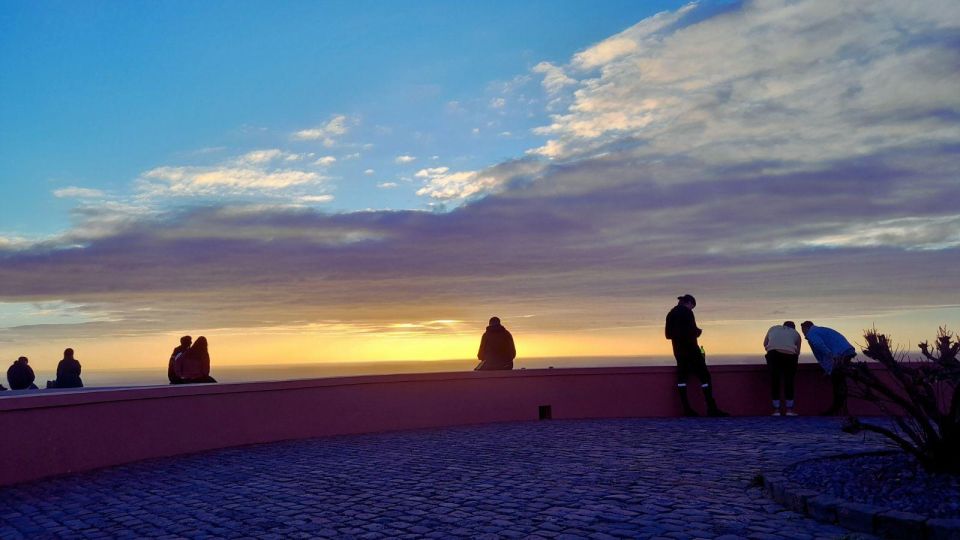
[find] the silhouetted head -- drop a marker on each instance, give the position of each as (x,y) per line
(789,324)
(68,354)
(494,321)
(23,360)
(186,340)
(687,300)
(806,326)
(200,344)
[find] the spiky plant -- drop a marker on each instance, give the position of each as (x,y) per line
(921,396)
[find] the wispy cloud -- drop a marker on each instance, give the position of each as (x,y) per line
(404,159)
(78,193)
(328,133)
(263,157)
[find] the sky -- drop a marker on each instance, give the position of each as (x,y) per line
(334,181)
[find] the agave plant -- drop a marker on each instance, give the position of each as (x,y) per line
(922,396)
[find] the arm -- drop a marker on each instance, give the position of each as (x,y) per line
(483,345)
(513,348)
(766,339)
(820,350)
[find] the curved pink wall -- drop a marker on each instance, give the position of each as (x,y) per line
(48,434)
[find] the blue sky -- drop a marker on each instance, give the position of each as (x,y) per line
(375,180)
(95,94)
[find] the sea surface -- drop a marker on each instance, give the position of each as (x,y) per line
(285,372)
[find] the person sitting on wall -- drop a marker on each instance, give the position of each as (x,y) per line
(193,365)
(184,346)
(497,350)
(68,372)
(20,375)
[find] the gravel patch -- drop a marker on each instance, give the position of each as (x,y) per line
(889,479)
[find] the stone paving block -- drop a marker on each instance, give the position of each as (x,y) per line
(796,499)
(823,508)
(943,529)
(856,516)
(902,525)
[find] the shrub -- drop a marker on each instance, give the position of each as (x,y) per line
(921,396)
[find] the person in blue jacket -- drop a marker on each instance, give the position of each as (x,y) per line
(833,352)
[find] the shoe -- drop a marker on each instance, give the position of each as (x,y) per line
(717,413)
(775,413)
(791,413)
(690,413)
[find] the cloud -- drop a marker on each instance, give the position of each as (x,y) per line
(325,161)
(316,198)
(73,192)
(369,172)
(328,132)
(192,181)
(605,52)
(554,78)
(777,157)
(404,159)
(793,82)
(263,157)
(498,103)
(387,185)
(444,185)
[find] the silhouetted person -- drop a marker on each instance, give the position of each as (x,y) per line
(193,366)
(68,372)
(20,375)
(782,344)
(496,348)
(681,329)
(180,349)
(833,352)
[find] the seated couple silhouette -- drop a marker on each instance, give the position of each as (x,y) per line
(190,363)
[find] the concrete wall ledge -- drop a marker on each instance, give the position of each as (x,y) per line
(48,433)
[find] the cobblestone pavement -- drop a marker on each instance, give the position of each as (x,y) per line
(598,479)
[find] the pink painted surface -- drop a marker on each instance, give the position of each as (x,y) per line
(56,433)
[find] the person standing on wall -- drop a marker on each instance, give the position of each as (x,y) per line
(833,352)
(681,329)
(497,350)
(782,344)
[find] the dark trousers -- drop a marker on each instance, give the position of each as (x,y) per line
(838,380)
(782,366)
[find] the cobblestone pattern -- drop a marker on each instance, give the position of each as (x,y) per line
(563,480)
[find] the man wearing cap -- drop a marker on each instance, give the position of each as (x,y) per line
(681,329)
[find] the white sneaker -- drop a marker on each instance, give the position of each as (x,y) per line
(775,413)
(791,413)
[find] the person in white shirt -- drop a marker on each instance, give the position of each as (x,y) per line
(783,351)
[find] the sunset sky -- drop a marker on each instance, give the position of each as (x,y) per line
(330,181)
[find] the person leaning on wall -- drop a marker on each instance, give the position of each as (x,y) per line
(782,344)
(834,353)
